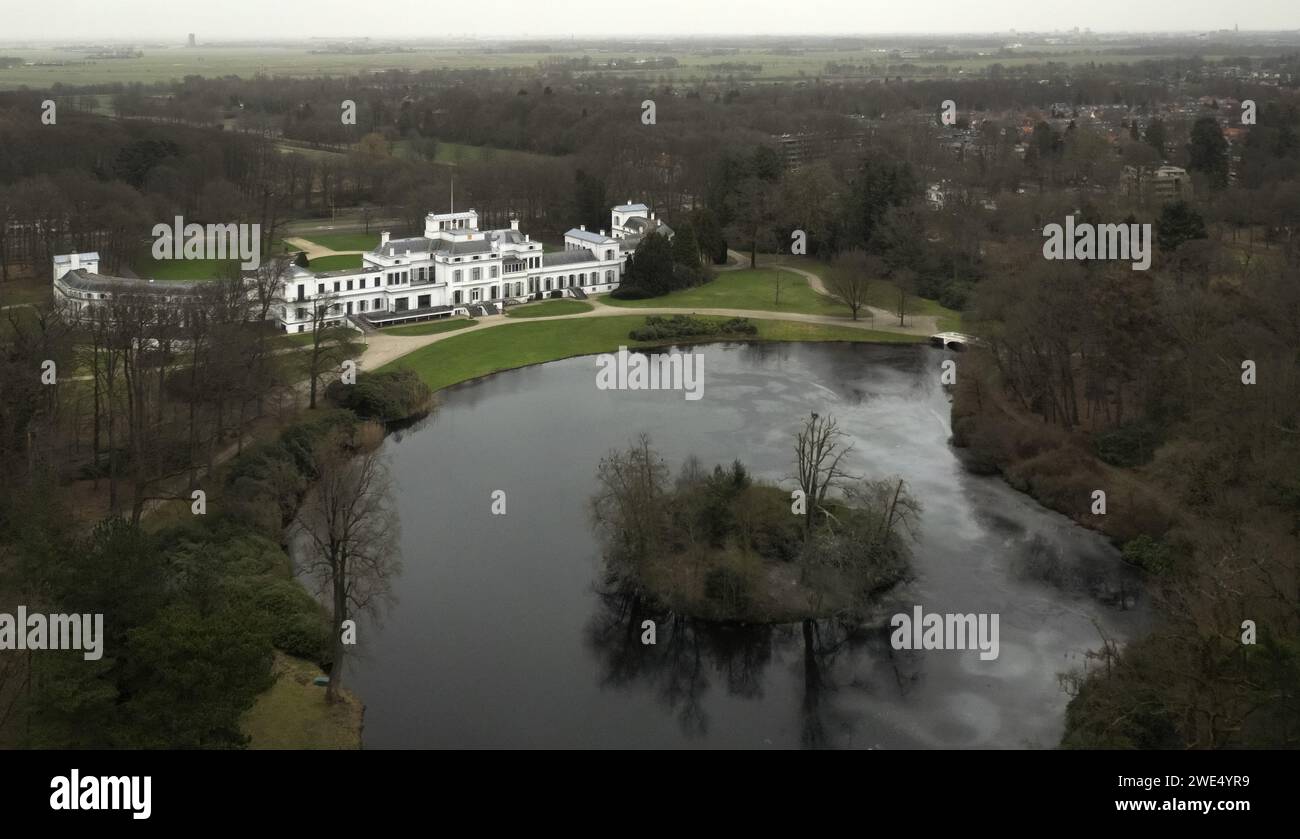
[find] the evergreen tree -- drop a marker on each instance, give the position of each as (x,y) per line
(708,235)
(1178,223)
(1156,137)
(1208,152)
(652,265)
(686,250)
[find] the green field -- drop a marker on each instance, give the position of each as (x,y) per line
(293,714)
(344,241)
(454,153)
(174,62)
(548,308)
(26,291)
(749,288)
(464,357)
(432,327)
(336,263)
(884,295)
(183,269)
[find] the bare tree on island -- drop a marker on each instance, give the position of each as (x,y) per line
(819,448)
(630,503)
(351,533)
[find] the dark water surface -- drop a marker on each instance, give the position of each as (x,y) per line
(499,637)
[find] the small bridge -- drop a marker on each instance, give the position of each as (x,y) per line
(954,340)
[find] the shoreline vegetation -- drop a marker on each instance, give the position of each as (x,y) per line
(1175,497)
(190,593)
(719,546)
(464,358)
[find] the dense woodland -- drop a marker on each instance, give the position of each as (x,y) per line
(1094,376)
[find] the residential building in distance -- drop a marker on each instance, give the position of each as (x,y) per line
(1161,184)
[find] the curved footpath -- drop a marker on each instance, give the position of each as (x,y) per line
(383,348)
(314,250)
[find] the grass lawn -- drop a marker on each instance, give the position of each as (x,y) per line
(465,357)
(343,241)
(293,713)
(749,288)
(881,294)
(432,327)
(32,291)
(336,263)
(884,295)
(548,308)
(182,269)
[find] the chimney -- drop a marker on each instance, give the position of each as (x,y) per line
(76,262)
(514,224)
(583,228)
(526,239)
(383,238)
(602,232)
(652,215)
(629,201)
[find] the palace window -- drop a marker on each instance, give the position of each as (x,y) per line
(475,274)
(455,276)
(349,285)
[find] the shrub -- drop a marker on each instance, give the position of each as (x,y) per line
(955,295)
(630,292)
(1151,555)
(659,328)
(1129,445)
(394,395)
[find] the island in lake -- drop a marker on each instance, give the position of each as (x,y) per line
(721,546)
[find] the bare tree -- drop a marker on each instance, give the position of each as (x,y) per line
(351,531)
(819,449)
(849,279)
(330,346)
(630,504)
(905,281)
(267,282)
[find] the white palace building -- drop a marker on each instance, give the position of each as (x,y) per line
(454,268)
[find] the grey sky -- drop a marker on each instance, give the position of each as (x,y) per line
(64,20)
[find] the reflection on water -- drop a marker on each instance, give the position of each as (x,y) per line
(504,635)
